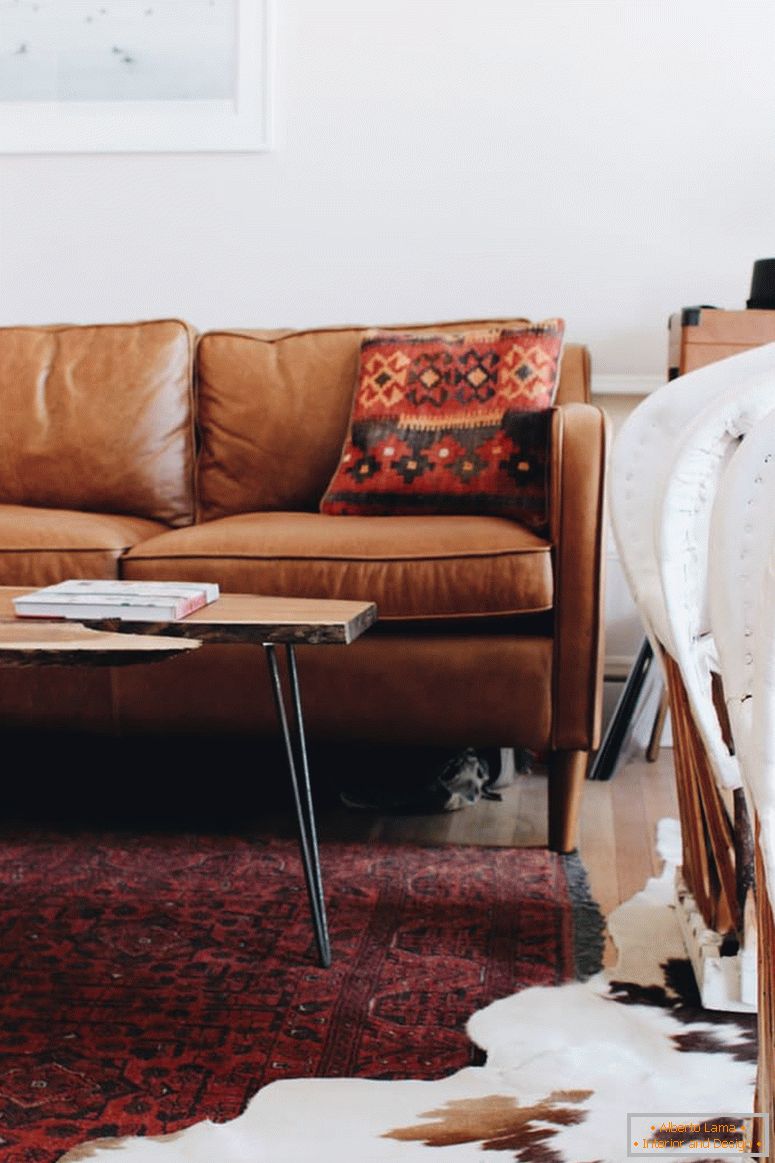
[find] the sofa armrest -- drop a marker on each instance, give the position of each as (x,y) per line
(578,461)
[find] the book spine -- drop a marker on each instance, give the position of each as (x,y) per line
(188,605)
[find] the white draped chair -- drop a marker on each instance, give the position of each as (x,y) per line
(718,851)
(640,456)
(742,617)
(667,465)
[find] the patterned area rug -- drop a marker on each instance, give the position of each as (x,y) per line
(152,982)
(565,1064)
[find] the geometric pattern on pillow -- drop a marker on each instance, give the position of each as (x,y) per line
(451,423)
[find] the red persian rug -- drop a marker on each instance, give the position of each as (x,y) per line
(150,982)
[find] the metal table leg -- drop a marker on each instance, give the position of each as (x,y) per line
(298,769)
(605,760)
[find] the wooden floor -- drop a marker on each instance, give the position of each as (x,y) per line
(617,832)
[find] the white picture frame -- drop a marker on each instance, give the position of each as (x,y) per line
(240,122)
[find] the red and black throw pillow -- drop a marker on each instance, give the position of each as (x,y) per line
(451,423)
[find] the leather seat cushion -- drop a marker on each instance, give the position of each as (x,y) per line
(412,567)
(43,546)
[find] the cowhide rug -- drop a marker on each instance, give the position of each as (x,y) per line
(564,1067)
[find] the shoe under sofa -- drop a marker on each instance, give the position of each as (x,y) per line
(145,451)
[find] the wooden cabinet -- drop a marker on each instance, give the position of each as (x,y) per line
(701,335)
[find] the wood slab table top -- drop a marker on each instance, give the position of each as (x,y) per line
(249,618)
(48,643)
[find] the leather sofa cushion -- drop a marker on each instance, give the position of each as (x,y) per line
(99,418)
(274,406)
(43,546)
(412,567)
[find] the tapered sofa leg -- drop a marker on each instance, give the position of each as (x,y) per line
(567,772)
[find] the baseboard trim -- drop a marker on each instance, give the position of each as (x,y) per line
(606,384)
(617,667)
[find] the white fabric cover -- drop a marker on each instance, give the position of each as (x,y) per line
(741,598)
(761,767)
(641,455)
(667,464)
(681,537)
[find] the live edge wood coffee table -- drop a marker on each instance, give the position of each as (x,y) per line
(48,643)
(259,621)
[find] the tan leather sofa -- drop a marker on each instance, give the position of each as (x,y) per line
(143,451)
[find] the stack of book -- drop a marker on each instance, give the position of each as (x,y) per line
(133,601)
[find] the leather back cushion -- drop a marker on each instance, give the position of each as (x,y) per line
(274,408)
(99,418)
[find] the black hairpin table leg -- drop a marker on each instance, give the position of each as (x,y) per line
(608,754)
(298,769)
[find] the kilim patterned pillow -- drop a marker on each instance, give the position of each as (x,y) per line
(451,423)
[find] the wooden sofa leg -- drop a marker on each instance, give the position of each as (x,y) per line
(567,772)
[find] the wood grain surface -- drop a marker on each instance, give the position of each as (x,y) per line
(249,618)
(43,643)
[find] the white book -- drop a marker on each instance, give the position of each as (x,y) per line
(86,599)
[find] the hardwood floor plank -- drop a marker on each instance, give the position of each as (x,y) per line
(659,798)
(425,829)
(490,822)
(633,837)
(530,829)
(597,842)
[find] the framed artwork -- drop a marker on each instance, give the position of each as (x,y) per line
(90,76)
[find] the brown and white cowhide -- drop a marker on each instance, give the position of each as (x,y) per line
(564,1067)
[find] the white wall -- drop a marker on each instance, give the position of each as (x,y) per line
(607,160)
